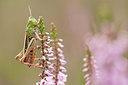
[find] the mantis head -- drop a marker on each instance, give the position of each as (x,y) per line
(32,23)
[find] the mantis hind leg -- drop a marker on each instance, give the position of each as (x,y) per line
(38,59)
(31,64)
(29,48)
(17,57)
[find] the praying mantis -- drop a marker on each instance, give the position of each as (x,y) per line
(29,49)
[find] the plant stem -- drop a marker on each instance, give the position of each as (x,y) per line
(43,61)
(57,63)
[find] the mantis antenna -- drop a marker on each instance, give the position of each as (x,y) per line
(30,10)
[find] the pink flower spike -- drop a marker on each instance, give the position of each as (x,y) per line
(87,79)
(42,81)
(85,69)
(43,57)
(38,83)
(52,71)
(45,51)
(40,75)
(84,59)
(60,45)
(60,83)
(62,77)
(52,64)
(63,69)
(48,37)
(86,76)
(46,45)
(85,65)
(87,83)
(50,48)
(49,63)
(50,79)
(49,40)
(61,56)
(50,55)
(48,73)
(51,52)
(50,67)
(61,40)
(51,59)
(47,33)
(63,62)
(59,50)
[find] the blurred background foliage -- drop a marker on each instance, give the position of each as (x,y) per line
(73,20)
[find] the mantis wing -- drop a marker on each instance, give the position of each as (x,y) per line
(29,50)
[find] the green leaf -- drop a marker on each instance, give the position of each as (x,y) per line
(41,25)
(105,14)
(53,34)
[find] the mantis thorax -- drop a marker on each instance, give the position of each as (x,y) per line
(32,22)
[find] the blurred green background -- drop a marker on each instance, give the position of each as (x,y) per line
(72,19)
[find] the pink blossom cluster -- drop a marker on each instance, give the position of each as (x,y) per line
(90,69)
(52,62)
(108,52)
(60,76)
